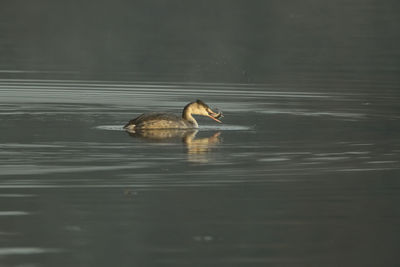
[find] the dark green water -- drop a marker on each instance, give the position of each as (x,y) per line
(304,170)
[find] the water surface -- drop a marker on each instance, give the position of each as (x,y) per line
(293,177)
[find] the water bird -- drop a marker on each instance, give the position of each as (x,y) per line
(153,121)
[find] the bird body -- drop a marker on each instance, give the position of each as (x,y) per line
(154,120)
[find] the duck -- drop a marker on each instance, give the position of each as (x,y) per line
(154,120)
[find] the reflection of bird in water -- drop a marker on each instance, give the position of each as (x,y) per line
(187,136)
(201,145)
(197,148)
(171,121)
(164,135)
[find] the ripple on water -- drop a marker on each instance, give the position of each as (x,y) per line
(16,195)
(26,251)
(39,169)
(342,115)
(110,127)
(13,213)
(225,127)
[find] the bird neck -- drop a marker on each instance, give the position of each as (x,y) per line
(187,115)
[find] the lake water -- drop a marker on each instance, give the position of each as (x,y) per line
(291,177)
(303,171)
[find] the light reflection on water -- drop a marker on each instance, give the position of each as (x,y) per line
(13,213)
(25,251)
